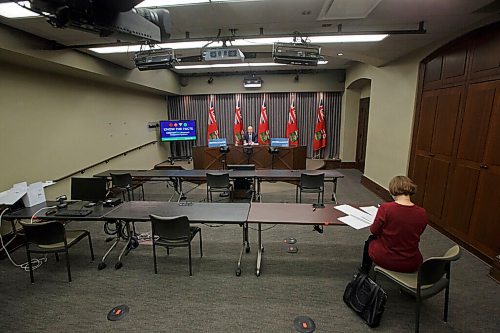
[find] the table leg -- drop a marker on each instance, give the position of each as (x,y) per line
(334,192)
(126,248)
(181,193)
(244,247)
(260,250)
(102,264)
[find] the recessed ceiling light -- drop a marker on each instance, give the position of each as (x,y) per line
(340,54)
(16,10)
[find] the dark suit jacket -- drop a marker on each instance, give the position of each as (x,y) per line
(247,138)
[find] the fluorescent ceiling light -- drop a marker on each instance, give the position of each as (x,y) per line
(243,64)
(245,42)
(13,10)
(169,3)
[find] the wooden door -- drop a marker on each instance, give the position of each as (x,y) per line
(435,139)
(364,107)
(470,154)
(485,220)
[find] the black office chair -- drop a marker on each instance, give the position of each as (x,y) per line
(173,232)
(123,183)
(52,237)
(311,183)
(218,182)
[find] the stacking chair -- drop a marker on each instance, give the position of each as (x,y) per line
(172,232)
(311,183)
(52,237)
(430,279)
(218,182)
(123,183)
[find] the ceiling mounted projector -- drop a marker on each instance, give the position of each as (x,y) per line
(223,54)
(252,82)
(107,18)
(297,54)
(155,59)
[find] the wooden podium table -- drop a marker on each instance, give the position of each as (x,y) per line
(291,158)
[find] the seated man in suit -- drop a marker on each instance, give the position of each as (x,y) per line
(250,138)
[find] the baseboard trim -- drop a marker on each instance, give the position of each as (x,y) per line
(348,165)
(495,269)
(376,188)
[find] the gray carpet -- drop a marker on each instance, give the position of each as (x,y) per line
(310,282)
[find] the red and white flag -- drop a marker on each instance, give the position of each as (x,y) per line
(212,130)
(263,134)
(238,124)
(292,130)
(319,141)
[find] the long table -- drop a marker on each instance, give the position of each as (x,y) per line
(222,213)
(293,214)
(139,211)
(258,176)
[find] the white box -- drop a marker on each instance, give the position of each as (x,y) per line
(35,195)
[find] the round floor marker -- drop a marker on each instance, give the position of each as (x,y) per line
(118,312)
(304,324)
(290,240)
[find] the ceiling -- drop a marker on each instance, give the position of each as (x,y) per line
(442,19)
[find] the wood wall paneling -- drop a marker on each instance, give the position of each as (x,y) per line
(486,56)
(421,169)
(454,65)
(426,120)
(485,221)
(460,199)
(433,70)
(473,132)
(435,187)
(447,110)
(456,146)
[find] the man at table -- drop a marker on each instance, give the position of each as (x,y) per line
(250,138)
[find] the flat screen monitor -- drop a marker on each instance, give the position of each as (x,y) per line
(217,142)
(178,130)
(279,142)
(88,189)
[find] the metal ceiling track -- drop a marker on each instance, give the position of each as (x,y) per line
(419,31)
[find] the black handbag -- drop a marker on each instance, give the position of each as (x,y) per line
(366,298)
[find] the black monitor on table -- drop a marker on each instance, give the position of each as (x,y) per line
(88,189)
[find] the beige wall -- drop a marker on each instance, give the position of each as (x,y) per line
(349,125)
(35,52)
(392,104)
(52,125)
(327,81)
(365,91)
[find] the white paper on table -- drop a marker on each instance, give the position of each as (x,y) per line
(11,196)
(353,222)
(372,210)
(349,210)
(48,183)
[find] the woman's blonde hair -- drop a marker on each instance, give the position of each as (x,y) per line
(402,185)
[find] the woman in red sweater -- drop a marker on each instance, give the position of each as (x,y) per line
(396,231)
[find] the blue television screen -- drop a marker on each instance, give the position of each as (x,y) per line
(178,130)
